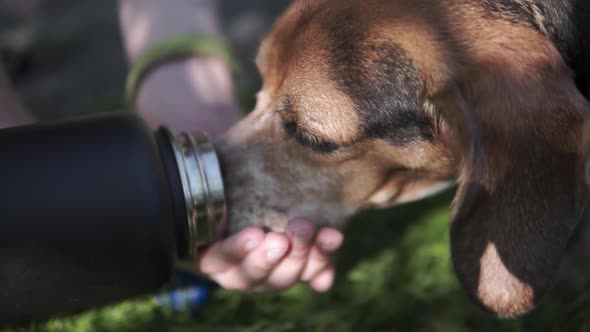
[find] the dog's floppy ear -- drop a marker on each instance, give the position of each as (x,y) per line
(521,188)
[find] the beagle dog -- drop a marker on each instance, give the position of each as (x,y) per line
(373,103)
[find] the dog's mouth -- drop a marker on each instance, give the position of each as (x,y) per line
(271,198)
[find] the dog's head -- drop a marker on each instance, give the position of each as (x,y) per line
(374,103)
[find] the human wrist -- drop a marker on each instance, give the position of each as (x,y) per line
(201,97)
(190,92)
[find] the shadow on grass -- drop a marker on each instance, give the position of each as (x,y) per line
(394,274)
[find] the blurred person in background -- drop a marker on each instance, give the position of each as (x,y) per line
(196,94)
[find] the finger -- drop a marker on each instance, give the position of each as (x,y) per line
(323,281)
(327,242)
(226,254)
(288,271)
(256,267)
(259,264)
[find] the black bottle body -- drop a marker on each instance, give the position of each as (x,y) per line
(90,213)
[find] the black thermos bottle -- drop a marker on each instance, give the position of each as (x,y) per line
(99,209)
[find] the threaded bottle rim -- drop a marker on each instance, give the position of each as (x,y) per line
(202,185)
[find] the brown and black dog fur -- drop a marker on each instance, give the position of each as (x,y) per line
(372,103)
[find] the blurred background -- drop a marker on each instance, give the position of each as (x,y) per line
(394,273)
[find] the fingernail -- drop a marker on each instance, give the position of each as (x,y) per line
(274,255)
(250,245)
(303,230)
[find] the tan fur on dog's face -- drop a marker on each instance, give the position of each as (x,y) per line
(371,103)
(279,160)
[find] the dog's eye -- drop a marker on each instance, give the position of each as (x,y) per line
(312,141)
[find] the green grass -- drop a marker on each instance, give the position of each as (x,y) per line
(394,275)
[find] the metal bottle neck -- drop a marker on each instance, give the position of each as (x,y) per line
(202,185)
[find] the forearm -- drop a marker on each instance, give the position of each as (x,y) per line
(190,94)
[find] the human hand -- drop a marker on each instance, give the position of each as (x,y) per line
(197,94)
(253,260)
